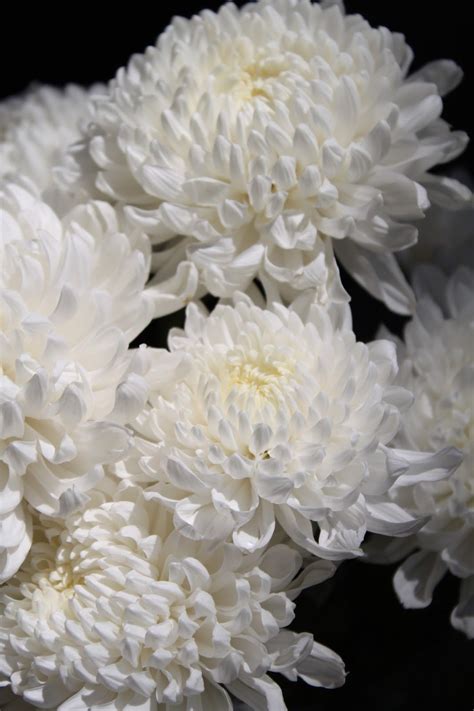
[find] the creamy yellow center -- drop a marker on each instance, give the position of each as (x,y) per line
(246,78)
(261,375)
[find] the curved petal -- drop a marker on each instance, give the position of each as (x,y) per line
(322,667)
(462,617)
(408,467)
(379,274)
(386,551)
(174,293)
(417,577)
(390,519)
(261,694)
(445,73)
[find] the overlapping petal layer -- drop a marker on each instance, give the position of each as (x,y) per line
(36,127)
(115,609)
(71,299)
(258,416)
(256,142)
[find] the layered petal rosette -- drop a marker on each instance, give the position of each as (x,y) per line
(437,366)
(258,416)
(37,127)
(114,609)
(254,143)
(71,300)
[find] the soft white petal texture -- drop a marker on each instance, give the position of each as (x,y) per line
(113,609)
(319,666)
(444,73)
(257,417)
(36,128)
(436,365)
(261,694)
(380,274)
(256,139)
(71,300)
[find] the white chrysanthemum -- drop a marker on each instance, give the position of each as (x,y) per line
(117,610)
(261,416)
(437,365)
(266,137)
(71,300)
(36,127)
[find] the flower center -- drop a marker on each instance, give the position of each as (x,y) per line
(61,578)
(51,574)
(53,577)
(51,587)
(260,374)
(246,78)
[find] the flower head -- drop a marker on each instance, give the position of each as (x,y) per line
(436,364)
(254,142)
(115,607)
(259,416)
(36,127)
(71,300)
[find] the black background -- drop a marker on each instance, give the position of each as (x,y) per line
(397,660)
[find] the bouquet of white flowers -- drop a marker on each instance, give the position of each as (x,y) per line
(161,509)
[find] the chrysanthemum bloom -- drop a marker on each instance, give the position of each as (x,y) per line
(259,416)
(71,300)
(254,142)
(437,366)
(116,609)
(36,127)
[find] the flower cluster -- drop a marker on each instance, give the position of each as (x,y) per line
(162,509)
